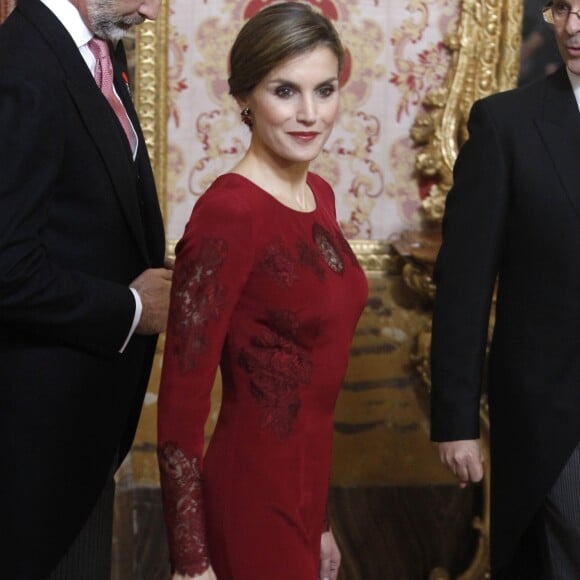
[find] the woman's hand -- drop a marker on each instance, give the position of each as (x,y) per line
(209,574)
(329,557)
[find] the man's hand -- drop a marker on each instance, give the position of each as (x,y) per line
(329,557)
(153,287)
(464,459)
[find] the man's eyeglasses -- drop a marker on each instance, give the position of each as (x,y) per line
(558,12)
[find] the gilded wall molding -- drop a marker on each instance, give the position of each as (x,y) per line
(151,93)
(376,257)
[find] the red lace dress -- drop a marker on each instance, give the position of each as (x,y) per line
(272,296)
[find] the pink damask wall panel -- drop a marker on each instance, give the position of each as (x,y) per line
(396,56)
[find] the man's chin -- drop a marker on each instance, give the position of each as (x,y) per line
(115,31)
(113,35)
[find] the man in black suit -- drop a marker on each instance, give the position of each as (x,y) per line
(83,288)
(513,216)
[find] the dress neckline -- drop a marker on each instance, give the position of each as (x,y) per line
(274,198)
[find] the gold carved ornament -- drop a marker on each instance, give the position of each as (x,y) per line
(150,80)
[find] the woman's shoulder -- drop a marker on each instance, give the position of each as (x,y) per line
(227,194)
(321,188)
(315,181)
(222,211)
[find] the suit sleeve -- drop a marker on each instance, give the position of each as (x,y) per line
(40,299)
(465,276)
(213,261)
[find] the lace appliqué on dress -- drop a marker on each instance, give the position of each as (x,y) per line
(198,296)
(323,253)
(279,263)
(277,366)
(183,507)
(325,244)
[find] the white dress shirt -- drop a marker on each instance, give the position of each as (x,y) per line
(575,81)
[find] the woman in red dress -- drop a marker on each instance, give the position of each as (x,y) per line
(267,288)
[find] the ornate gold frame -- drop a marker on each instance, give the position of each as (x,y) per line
(484,60)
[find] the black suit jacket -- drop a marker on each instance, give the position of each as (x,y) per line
(513,214)
(79,220)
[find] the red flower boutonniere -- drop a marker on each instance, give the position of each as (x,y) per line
(126,81)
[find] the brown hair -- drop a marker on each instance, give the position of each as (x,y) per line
(273,35)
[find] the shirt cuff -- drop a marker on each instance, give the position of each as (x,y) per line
(136,318)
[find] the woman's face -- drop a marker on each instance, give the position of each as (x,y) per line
(294,108)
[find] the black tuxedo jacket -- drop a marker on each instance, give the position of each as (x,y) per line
(513,215)
(79,220)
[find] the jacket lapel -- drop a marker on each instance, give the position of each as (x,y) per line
(155,234)
(95,113)
(559,126)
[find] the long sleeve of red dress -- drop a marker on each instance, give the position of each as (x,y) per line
(271,296)
(213,261)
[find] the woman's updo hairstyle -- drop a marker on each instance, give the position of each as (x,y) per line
(275,34)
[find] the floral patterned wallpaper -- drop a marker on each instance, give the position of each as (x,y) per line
(395,57)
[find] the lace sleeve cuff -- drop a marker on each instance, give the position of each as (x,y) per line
(182,491)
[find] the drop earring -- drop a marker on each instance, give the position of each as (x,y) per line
(246,116)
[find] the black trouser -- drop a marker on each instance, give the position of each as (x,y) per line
(561,518)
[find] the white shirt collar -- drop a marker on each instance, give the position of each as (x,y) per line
(575,82)
(71,19)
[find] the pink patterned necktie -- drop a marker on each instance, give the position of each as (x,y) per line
(104,79)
